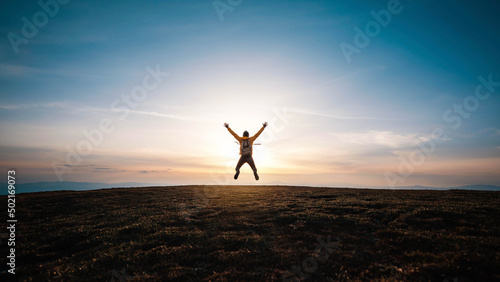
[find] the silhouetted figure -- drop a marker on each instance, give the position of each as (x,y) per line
(246,143)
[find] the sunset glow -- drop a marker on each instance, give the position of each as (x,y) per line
(332,122)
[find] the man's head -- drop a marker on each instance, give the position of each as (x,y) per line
(245,134)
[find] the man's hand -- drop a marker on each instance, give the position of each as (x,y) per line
(264,124)
(226,125)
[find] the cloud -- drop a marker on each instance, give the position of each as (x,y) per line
(494,131)
(12,154)
(16,70)
(154,171)
(312,113)
(107,170)
(75,108)
(163,115)
(384,138)
(7,70)
(66,165)
(50,105)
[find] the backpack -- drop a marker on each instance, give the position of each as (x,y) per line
(246,148)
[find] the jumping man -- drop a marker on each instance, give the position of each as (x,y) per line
(246,143)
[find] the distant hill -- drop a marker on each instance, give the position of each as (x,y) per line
(69,185)
(80,186)
(476,187)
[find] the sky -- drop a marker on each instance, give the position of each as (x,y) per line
(356,93)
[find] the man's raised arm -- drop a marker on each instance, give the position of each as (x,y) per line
(260,131)
(232,132)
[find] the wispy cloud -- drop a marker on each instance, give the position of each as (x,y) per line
(384,138)
(494,131)
(12,70)
(60,105)
(75,108)
(154,171)
(16,70)
(108,170)
(163,115)
(344,117)
(66,165)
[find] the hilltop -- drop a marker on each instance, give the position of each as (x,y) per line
(257,233)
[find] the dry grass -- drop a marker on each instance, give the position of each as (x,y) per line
(256,233)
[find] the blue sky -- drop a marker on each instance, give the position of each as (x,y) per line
(347,123)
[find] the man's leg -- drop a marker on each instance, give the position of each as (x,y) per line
(252,165)
(238,166)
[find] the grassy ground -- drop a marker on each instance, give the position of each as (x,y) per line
(256,233)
